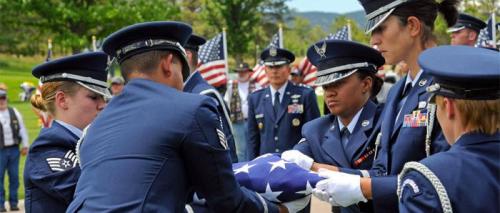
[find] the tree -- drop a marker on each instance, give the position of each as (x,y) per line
(71,24)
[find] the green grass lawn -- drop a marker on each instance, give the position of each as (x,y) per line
(14,71)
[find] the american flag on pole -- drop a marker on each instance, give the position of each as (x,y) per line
(259,73)
(212,61)
(487,36)
(308,70)
(275,179)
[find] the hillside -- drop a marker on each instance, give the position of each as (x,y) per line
(325,19)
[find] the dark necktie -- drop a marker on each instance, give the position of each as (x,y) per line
(402,101)
(344,136)
(276,104)
(406,91)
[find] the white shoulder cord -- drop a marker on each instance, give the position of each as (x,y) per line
(433,179)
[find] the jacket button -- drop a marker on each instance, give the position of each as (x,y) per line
(277,150)
(276,138)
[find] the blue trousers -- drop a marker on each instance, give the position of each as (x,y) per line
(9,160)
(240,138)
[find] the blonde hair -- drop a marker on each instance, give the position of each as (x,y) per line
(45,101)
(3,86)
(481,115)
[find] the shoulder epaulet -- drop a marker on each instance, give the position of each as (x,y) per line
(259,90)
(432,178)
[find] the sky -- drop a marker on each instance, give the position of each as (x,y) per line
(337,6)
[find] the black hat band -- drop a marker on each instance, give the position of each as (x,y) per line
(346,67)
(491,93)
(149,43)
(59,76)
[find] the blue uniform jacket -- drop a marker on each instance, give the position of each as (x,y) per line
(469,172)
(270,133)
(400,144)
(153,145)
(51,170)
(197,85)
(321,141)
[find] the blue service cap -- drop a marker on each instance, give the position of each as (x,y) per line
(463,72)
(467,21)
(242,67)
(377,11)
(338,59)
(195,42)
(148,36)
(275,56)
(86,69)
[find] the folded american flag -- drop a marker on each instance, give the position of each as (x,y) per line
(275,179)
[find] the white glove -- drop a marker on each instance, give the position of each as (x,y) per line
(339,189)
(297,205)
(297,157)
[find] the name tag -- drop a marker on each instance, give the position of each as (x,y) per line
(259,116)
(295,108)
(417,118)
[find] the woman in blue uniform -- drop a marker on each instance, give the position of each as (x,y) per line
(401,30)
(346,71)
(73,92)
(466,178)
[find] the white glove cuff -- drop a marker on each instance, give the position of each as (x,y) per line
(358,192)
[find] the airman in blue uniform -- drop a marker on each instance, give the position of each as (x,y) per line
(197,85)
(346,71)
(277,113)
(71,92)
(154,144)
(466,178)
(407,131)
(466,30)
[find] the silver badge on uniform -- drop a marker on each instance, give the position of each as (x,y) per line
(69,161)
(422,104)
(422,82)
(222,138)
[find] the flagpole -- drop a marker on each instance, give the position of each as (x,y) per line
(349,29)
(280,34)
(49,49)
(494,29)
(224,41)
(94,44)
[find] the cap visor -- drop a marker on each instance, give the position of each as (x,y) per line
(333,77)
(376,21)
(455,28)
(97,89)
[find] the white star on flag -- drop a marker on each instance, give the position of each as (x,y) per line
(270,195)
(276,164)
(308,189)
(243,169)
(263,156)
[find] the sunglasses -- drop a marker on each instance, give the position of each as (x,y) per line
(3,97)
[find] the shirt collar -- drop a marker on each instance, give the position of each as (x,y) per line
(353,122)
(413,81)
(71,128)
(281,89)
